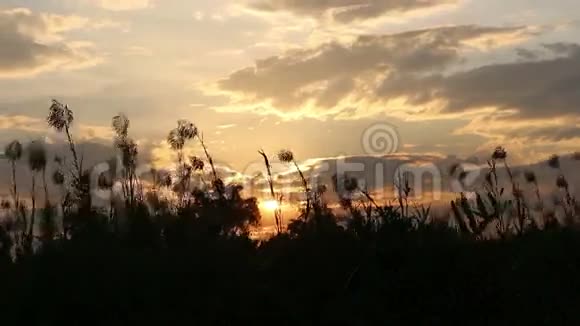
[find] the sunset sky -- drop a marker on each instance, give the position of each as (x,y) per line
(454,77)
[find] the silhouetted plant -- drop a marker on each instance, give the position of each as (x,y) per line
(217,183)
(278,198)
(177,139)
(489,207)
(554,162)
(403,192)
(13,152)
(568,204)
(61,118)
(128,152)
(287,156)
(500,154)
(179,136)
(37,164)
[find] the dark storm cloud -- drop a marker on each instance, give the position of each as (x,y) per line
(345,11)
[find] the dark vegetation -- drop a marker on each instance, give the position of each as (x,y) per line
(169,251)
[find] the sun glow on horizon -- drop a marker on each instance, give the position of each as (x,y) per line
(270,205)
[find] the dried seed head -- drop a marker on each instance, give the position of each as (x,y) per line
(60,116)
(554,162)
(37,156)
(13,151)
(499,153)
(530,177)
(561,182)
(286,156)
(179,136)
(196,163)
(4,204)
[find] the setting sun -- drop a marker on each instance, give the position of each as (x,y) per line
(270,205)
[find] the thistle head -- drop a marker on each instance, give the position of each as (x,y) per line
(13,151)
(554,162)
(185,131)
(499,154)
(120,125)
(59,116)
(286,156)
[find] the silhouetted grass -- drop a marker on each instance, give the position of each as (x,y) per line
(169,252)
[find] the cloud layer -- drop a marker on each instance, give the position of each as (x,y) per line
(346,11)
(122,5)
(335,77)
(33,43)
(423,75)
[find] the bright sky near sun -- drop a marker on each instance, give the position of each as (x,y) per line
(453,76)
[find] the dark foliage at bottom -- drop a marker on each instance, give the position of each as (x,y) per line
(394,277)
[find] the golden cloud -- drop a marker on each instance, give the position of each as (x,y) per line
(345,79)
